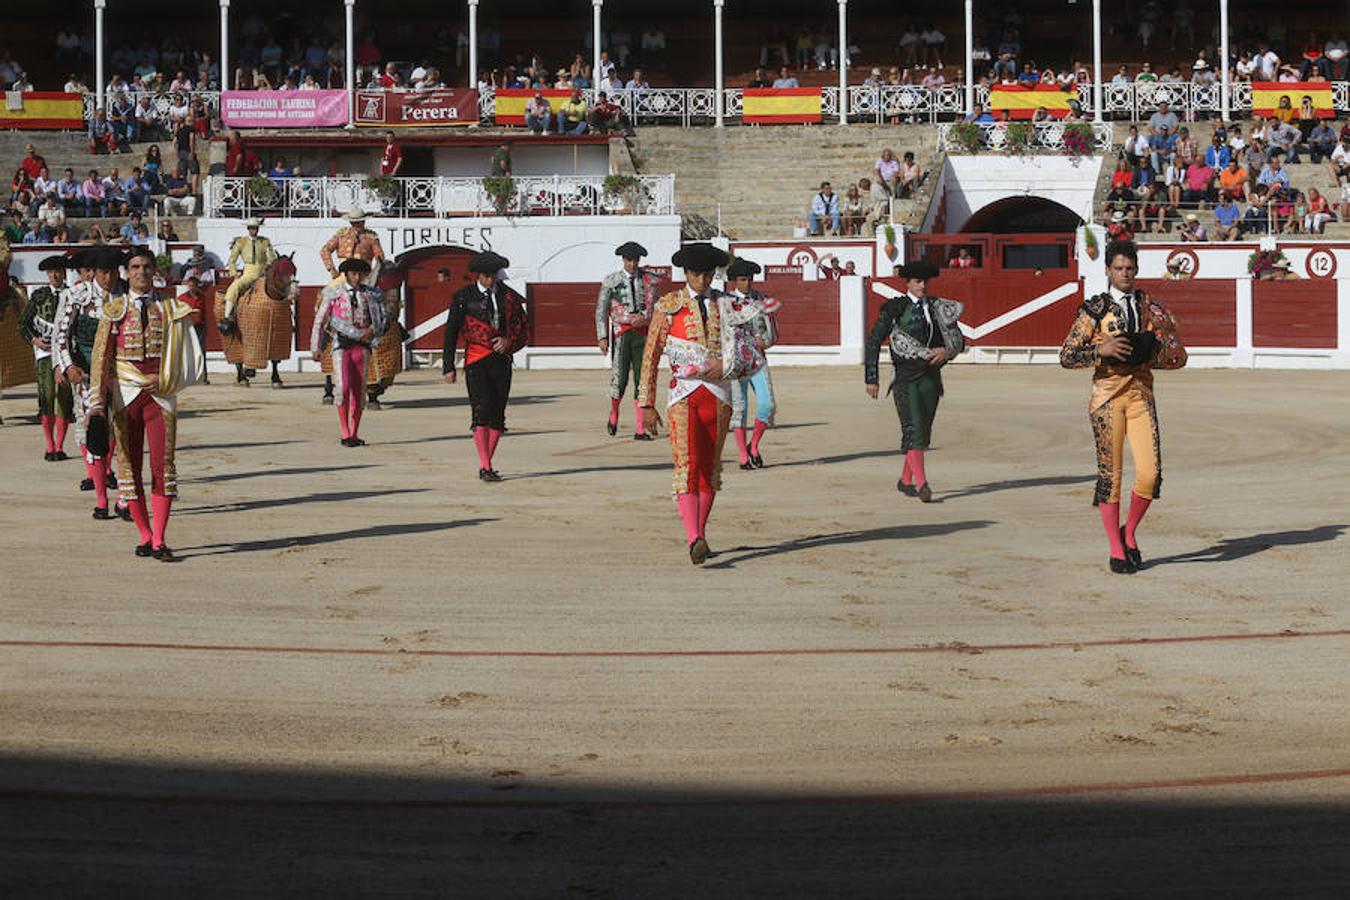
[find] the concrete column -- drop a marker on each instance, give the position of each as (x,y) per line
(351,62)
(970,56)
(1225,85)
(224,45)
(719,79)
(1097,59)
(843,62)
(100,85)
(473,44)
(595,45)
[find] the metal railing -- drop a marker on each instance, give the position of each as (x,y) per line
(542,195)
(1044,136)
(162,101)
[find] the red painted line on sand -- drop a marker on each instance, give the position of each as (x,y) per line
(895,798)
(954,647)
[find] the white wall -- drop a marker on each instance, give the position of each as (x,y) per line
(974,182)
(526,159)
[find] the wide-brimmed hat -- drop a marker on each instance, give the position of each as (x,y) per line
(488,263)
(355,215)
(1281,263)
(57,263)
(630,250)
(701,257)
(1199,65)
(743,268)
(920,270)
(1192,217)
(354,264)
(254,222)
(1117,216)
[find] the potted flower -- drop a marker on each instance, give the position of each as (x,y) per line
(1078,139)
(1263,263)
(622,190)
(261,190)
(1019,137)
(502,190)
(1090,242)
(888,234)
(967,135)
(385,188)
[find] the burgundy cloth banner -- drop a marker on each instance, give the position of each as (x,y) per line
(414,109)
(283,109)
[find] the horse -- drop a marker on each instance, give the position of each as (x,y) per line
(265,322)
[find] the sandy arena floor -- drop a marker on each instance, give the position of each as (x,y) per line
(371,675)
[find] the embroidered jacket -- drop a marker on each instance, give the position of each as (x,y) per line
(765,321)
(618,303)
(76,325)
(480,322)
(251,251)
(39,318)
(1101,317)
(347,312)
(348,243)
(161,356)
(680,332)
(911,330)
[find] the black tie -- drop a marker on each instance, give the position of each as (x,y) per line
(1128,300)
(632,293)
(703,308)
(145,314)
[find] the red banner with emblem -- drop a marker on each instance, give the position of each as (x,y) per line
(416,109)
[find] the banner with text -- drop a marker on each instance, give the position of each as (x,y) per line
(511,102)
(42,110)
(416,109)
(283,109)
(1020,101)
(1266,96)
(780,106)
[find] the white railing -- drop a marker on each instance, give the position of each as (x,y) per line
(1045,136)
(541,195)
(162,101)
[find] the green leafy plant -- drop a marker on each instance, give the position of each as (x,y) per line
(1078,139)
(1262,262)
(261,189)
(888,235)
(617,184)
(1019,137)
(164,262)
(501,188)
(381,184)
(967,135)
(1090,242)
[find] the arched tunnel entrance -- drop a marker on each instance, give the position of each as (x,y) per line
(1023,215)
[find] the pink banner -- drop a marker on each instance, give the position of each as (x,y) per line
(283,109)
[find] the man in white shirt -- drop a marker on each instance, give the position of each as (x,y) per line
(1337,54)
(785,79)
(1340,160)
(1267,64)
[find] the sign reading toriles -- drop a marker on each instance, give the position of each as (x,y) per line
(413,109)
(283,109)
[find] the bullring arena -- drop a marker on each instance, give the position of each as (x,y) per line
(412,663)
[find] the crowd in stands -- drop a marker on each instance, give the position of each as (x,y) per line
(866,203)
(1237,186)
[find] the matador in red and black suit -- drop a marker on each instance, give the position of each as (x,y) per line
(494,325)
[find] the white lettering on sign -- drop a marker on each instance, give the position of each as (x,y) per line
(428,113)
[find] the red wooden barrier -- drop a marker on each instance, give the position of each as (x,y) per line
(1205,310)
(1294,314)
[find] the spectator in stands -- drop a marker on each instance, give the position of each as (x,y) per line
(1122,76)
(878,204)
(824,205)
(538,114)
(21,84)
(127,233)
(122,117)
(43,185)
(1318,212)
(391,157)
(1274,174)
(1321,142)
(1287,208)
(180,109)
(1267,63)
(146,119)
(1217,154)
(32,164)
(1118,229)
(1186,147)
(1194,231)
(1226,218)
(93,195)
(1337,54)
(93,235)
(1234,181)
(1163,118)
(137,190)
(14,228)
(887,169)
(114,193)
(1135,149)
(637,84)
(785,79)
(280,173)
(962,259)
(1199,181)
(50,214)
(1122,183)
(654,46)
(1162,144)
(166,232)
(500,166)
(606,116)
(21,194)
(979,115)
(142,236)
(1146,75)
(854,211)
(910,175)
(934,43)
(101,133)
(1339,163)
(761,80)
(178,199)
(152,169)
(61,235)
(68,192)
(572,115)
(35,233)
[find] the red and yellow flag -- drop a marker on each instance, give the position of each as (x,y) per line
(780,106)
(47,110)
(1020,101)
(1266,97)
(510,102)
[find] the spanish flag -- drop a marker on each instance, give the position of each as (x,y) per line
(510,102)
(1020,101)
(1266,97)
(780,106)
(48,110)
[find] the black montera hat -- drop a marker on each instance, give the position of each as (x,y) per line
(699,258)
(921,270)
(488,263)
(354,264)
(630,250)
(60,262)
(743,268)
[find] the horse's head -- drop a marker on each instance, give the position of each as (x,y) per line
(281,277)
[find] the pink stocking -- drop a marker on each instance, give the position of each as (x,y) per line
(61,426)
(494,435)
(98,471)
(47,432)
(1138,506)
(740,445)
(638,427)
(356,409)
(343,420)
(480,442)
(159,510)
(138,516)
(760,427)
(1111,522)
(907,473)
(688,504)
(916,467)
(614,410)
(705,504)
